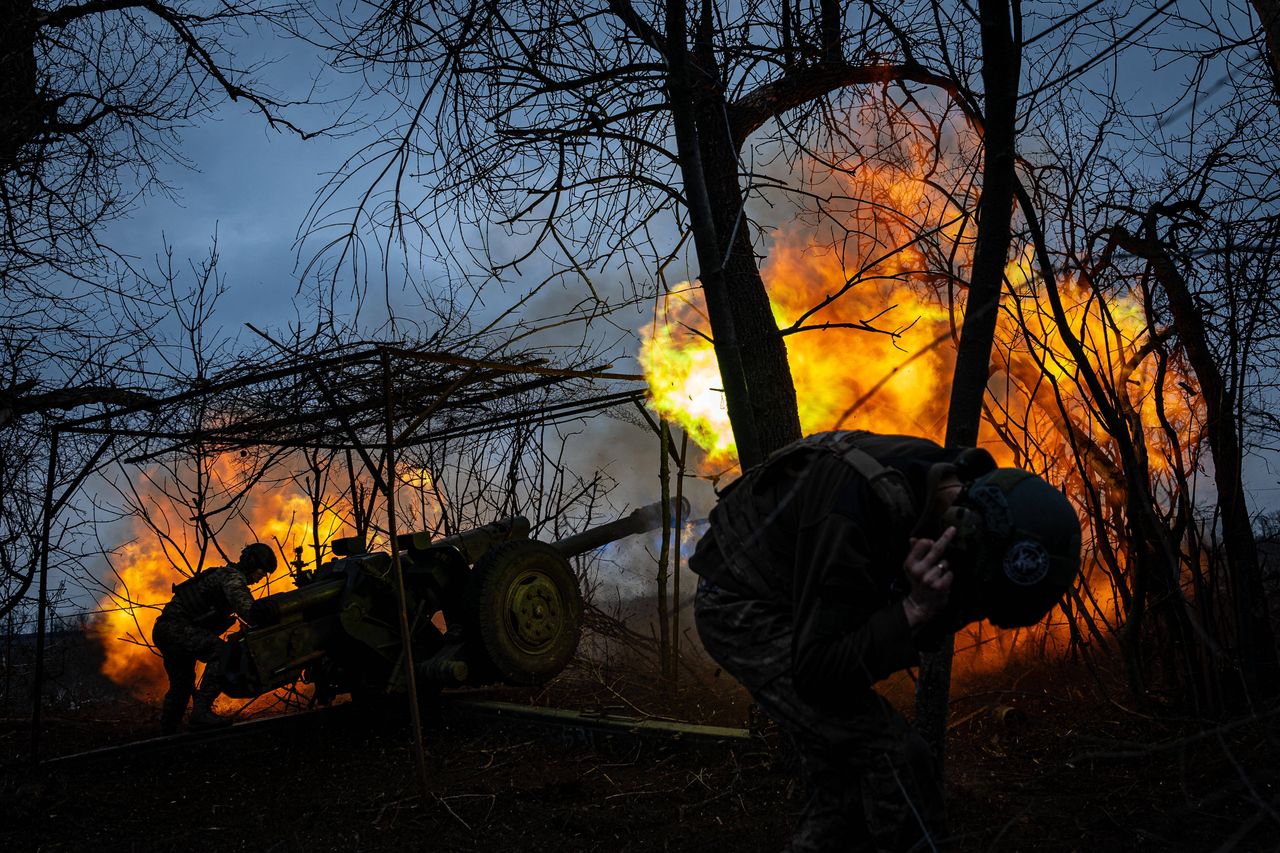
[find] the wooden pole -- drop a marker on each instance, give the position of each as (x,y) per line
(664,621)
(317,495)
(406,642)
(675,584)
(42,599)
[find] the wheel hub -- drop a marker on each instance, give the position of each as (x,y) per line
(535,613)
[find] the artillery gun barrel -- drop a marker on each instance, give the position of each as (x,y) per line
(473,543)
(643,519)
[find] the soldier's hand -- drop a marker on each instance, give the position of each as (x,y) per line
(264,613)
(930,578)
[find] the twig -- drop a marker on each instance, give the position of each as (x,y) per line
(1136,749)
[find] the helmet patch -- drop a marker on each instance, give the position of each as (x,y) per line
(1026,563)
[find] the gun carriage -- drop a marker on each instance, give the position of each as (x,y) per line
(485,605)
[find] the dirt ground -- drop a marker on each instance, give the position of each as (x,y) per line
(1037,762)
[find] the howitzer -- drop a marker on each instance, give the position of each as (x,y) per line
(484,605)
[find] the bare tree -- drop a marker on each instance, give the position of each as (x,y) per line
(1154,213)
(585,129)
(93,98)
(94,95)
(1269,17)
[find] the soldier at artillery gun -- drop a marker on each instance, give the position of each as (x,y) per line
(190,629)
(509,608)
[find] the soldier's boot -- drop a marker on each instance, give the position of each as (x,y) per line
(202,715)
(171,711)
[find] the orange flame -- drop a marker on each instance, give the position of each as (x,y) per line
(143,571)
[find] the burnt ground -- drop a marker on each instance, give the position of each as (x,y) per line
(1037,762)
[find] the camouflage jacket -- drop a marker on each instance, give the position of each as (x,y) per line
(805,534)
(210,598)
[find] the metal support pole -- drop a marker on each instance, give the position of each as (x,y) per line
(42,600)
(675,586)
(665,664)
(406,641)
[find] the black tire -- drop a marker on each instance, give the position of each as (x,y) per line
(524,612)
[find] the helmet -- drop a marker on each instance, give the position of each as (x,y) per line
(257,557)
(1016,549)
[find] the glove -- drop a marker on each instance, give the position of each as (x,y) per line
(212,650)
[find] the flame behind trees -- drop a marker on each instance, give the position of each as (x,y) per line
(874,348)
(1130,350)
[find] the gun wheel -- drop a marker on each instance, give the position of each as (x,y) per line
(525,611)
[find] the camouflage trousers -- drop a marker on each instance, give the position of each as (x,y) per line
(181,644)
(869,777)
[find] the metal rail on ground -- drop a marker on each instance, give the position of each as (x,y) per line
(586,722)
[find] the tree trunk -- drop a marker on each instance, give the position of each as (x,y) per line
(1000,73)
(772,392)
(1255,642)
(702,222)
(21,107)
(764,351)
(759,392)
(1269,14)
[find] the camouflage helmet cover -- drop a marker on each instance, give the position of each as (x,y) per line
(258,557)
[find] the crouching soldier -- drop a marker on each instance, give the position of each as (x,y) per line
(830,567)
(190,629)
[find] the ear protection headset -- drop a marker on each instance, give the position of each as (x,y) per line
(1017,545)
(987,542)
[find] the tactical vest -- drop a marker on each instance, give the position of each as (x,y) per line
(201,602)
(740,521)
